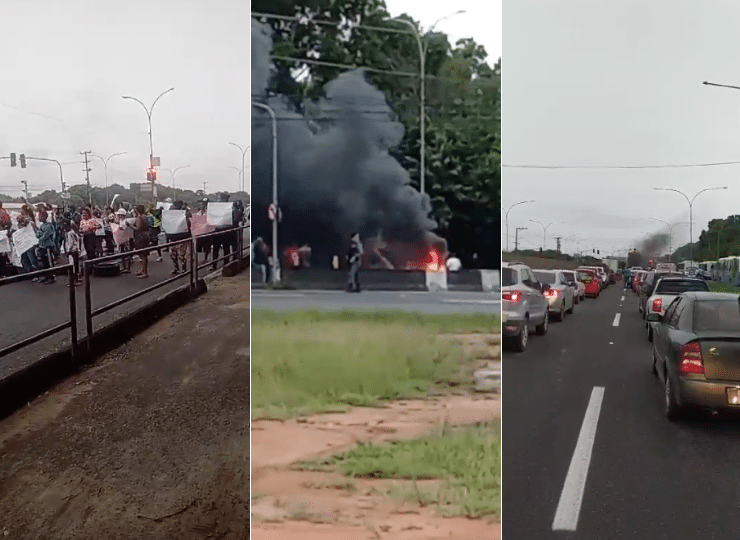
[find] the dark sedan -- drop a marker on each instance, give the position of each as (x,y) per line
(696,352)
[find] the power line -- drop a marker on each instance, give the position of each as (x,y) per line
(721,163)
(330,23)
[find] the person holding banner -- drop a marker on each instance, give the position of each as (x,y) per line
(176,225)
(28,258)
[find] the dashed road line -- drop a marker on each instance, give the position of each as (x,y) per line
(616,319)
(569,507)
(622,300)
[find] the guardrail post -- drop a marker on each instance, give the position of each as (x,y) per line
(88,306)
(195,254)
(73,313)
(193,264)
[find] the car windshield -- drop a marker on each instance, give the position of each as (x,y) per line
(719,315)
(677,286)
(508,277)
(546,277)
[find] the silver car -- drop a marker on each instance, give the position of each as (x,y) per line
(559,295)
(523,304)
(574,280)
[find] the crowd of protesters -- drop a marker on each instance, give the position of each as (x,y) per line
(68,236)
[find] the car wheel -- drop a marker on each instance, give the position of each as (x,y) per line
(520,344)
(561,314)
(542,328)
(673,410)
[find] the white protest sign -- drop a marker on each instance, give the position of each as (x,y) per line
(174,222)
(219,214)
(24,239)
(15,259)
(164,206)
(101,230)
(4,242)
(121,235)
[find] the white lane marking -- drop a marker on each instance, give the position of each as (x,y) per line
(569,507)
(616,319)
(622,300)
(471,301)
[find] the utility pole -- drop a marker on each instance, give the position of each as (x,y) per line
(87,175)
(516,237)
(557,240)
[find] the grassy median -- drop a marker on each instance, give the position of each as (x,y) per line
(723,287)
(465,461)
(311,361)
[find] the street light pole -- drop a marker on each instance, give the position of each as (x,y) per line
(151,144)
(238,171)
(422,90)
(243,151)
(105,165)
(691,214)
(545,227)
(173,173)
(275,255)
(507,220)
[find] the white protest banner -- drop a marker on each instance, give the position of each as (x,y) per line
(219,214)
(164,206)
(121,235)
(101,230)
(174,222)
(24,239)
(15,259)
(4,242)
(199,225)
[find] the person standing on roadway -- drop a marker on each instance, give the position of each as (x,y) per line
(88,226)
(46,235)
(179,253)
(72,248)
(626,273)
(142,239)
(354,258)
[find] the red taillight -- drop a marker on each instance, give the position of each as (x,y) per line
(690,358)
(657,305)
(552,292)
(511,296)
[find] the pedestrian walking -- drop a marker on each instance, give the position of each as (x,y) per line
(223,238)
(354,258)
(142,240)
(179,253)
(72,248)
(154,221)
(47,243)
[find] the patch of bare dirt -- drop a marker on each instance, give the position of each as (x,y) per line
(150,443)
(319,505)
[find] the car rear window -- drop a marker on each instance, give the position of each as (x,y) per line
(585,277)
(675,286)
(508,277)
(546,277)
(720,315)
(570,276)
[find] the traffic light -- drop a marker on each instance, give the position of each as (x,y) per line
(598,252)
(12,160)
(23,161)
(151,175)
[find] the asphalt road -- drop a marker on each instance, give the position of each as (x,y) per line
(423,302)
(640,476)
(29,308)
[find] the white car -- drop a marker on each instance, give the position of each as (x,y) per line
(560,295)
(523,305)
(666,291)
(574,280)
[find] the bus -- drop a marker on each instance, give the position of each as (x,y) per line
(727,270)
(707,269)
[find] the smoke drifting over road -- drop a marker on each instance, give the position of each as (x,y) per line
(335,174)
(656,244)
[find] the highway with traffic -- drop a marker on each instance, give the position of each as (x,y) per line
(588,452)
(422,302)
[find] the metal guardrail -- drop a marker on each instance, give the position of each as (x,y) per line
(71,324)
(88,266)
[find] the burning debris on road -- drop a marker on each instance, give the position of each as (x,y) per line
(335,173)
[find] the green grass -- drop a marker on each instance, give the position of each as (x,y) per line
(466,460)
(307,362)
(723,287)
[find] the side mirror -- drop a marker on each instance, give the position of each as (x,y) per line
(653,317)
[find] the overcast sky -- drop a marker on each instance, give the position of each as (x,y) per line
(67,64)
(481,20)
(619,83)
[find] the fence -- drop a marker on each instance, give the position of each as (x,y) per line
(88,268)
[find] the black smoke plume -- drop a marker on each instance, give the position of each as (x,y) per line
(335,175)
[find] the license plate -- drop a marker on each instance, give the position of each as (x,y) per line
(733,396)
